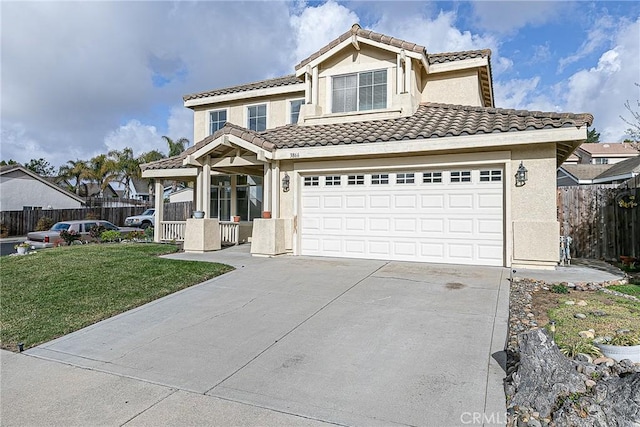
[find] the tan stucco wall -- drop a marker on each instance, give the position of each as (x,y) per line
(533,207)
(459,87)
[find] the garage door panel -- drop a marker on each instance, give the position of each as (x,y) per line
(431,222)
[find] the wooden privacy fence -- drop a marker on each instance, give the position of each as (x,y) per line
(601,219)
(19,223)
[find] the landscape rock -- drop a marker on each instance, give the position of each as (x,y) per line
(570,302)
(581,303)
(580,316)
(587,334)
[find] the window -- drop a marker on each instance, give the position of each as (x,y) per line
(601,161)
(431,177)
(355,180)
(491,176)
(405,178)
(217,119)
(257,117)
(379,179)
(460,176)
(359,92)
(332,180)
(295,109)
(311,181)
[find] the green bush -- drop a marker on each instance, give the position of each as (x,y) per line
(96,231)
(148,233)
(135,235)
(110,236)
(560,289)
(572,350)
(69,236)
(44,223)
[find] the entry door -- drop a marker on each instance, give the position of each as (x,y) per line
(440,216)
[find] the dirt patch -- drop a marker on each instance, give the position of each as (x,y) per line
(455,286)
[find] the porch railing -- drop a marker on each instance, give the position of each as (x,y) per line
(175,230)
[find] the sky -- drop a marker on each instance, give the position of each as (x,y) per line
(79,79)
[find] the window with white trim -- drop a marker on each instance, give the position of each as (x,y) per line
(217,119)
(332,180)
(359,91)
(460,176)
(311,181)
(601,161)
(355,180)
(380,178)
(405,178)
(295,110)
(431,177)
(491,176)
(257,117)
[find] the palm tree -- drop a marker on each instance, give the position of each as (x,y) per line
(76,170)
(150,156)
(126,168)
(102,171)
(176,147)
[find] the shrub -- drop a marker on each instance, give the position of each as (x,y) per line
(135,235)
(148,233)
(69,236)
(96,232)
(44,223)
(4,231)
(110,236)
(624,340)
(560,289)
(572,350)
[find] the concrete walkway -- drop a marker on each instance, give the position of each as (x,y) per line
(281,341)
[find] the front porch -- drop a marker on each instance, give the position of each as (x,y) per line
(231,233)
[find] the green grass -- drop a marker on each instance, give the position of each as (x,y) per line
(621,313)
(57,291)
(630,289)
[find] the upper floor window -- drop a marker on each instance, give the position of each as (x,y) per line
(601,161)
(295,109)
(217,119)
(257,117)
(359,91)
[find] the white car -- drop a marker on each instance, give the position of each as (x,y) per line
(144,220)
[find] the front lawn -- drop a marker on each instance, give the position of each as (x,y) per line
(57,291)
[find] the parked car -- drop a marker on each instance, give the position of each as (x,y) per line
(144,220)
(51,237)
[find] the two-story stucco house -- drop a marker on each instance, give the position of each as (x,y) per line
(376,148)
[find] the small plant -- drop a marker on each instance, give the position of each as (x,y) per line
(148,233)
(624,339)
(560,288)
(44,223)
(135,235)
(572,350)
(69,236)
(4,231)
(110,236)
(22,245)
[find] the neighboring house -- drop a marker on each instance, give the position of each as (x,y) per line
(573,159)
(90,189)
(21,188)
(181,195)
(601,153)
(588,174)
(377,149)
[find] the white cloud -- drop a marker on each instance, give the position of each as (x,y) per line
(140,138)
(181,124)
(316,26)
(599,35)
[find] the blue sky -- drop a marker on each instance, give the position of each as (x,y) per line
(82,78)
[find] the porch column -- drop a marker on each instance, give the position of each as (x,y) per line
(275,189)
(206,189)
(159,205)
(234,196)
(197,192)
(266,188)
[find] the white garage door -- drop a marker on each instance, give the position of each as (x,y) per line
(442,216)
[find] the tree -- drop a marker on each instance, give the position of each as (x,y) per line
(77,171)
(176,147)
(633,132)
(150,156)
(126,168)
(41,167)
(101,170)
(9,162)
(593,136)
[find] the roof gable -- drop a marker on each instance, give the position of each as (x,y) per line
(19,168)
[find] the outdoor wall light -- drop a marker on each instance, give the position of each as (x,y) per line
(285,182)
(552,329)
(521,175)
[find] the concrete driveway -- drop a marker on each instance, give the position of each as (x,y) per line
(295,341)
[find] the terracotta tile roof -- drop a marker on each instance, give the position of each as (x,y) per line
(585,171)
(287,80)
(367,34)
(431,121)
(253,137)
(439,58)
(606,148)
